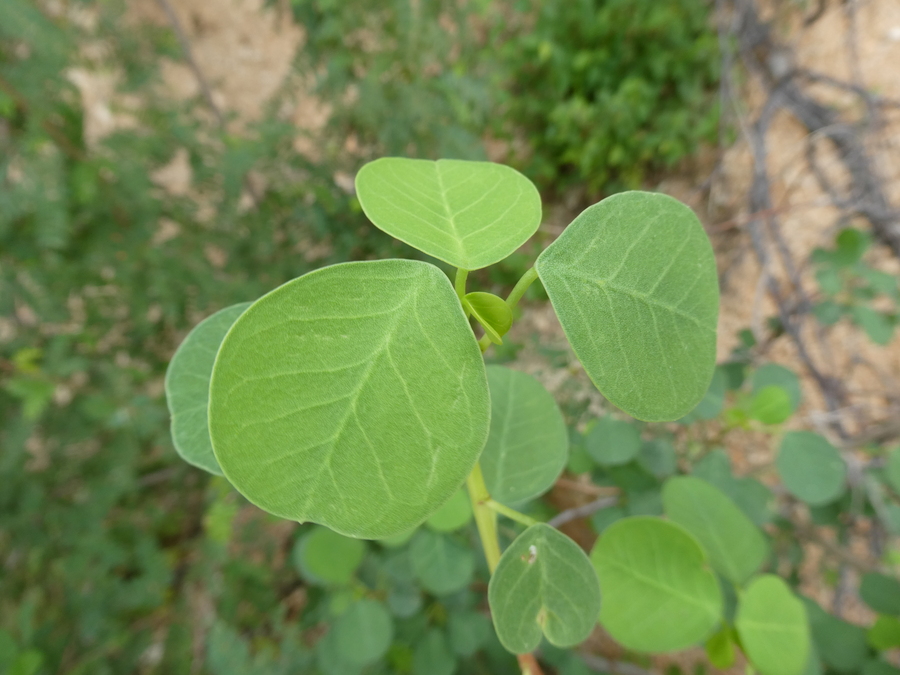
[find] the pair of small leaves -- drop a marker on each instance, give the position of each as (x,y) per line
(543,584)
(632,279)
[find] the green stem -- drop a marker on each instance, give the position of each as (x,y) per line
(460,283)
(512,514)
(485,517)
(521,286)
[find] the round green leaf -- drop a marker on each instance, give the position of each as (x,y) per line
(468,214)
(544,583)
(811,468)
(331,661)
(528,444)
(354,396)
(364,632)
(432,656)
(440,563)
(456,513)
(633,281)
(658,593)
(772,373)
(658,457)
(736,548)
(771,405)
(491,312)
(187,387)
(612,442)
(772,625)
(468,631)
(328,558)
(884,633)
(881,593)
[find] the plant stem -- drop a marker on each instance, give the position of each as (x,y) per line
(460,284)
(512,514)
(521,286)
(485,517)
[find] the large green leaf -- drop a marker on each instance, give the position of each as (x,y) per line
(633,281)
(735,546)
(441,564)
(354,396)
(469,214)
(658,593)
(773,628)
(544,583)
(187,387)
(811,468)
(528,445)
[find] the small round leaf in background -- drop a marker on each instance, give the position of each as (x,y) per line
(881,593)
(771,622)
(441,564)
(654,602)
(453,515)
(811,468)
(187,387)
(469,631)
(736,547)
(432,655)
(770,405)
(544,584)
(327,558)
(774,374)
(613,442)
(528,444)
(468,214)
(363,632)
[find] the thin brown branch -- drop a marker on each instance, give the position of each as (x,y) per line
(582,511)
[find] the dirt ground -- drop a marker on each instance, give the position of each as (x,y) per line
(246,51)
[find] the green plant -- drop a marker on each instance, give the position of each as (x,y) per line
(355,397)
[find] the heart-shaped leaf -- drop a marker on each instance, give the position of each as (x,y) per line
(491,312)
(468,214)
(772,625)
(544,583)
(735,546)
(528,445)
(187,387)
(633,282)
(354,396)
(658,593)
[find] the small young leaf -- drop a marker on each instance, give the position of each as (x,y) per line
(772,373)
(456,513)
(544,583)
(613,442)
(811,468)
(877,326)
(770,405)
(491,312)
(643,588)
(528,444)
(468,214)
(335,400)
(720,648)
(364,632)
(881,593)
(441,564)
(735,546)
(884,633)
(772,625)
(187,387)
(850,246)
(328,558)
(633,281)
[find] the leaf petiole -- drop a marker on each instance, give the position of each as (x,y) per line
(485,518)
(512,514)
(521,286)
(460,283)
